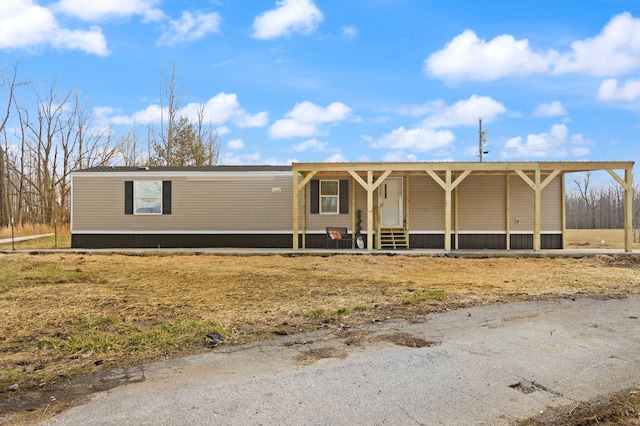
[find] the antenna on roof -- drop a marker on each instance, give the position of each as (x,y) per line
(482,141)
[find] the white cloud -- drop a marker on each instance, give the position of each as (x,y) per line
(552,109)
(252,158)
(463,113)
(557,143)
(417,139)
(349,33)
(221,109)
(399,156)
(468,57)
(260,119)
(305,118)
(190,27)
(287,128)
(107,9)
(91,41)
(300,16)
(307,112)
(311,144)
(26,25)
(610,91)
(336,158)
(614,51)
(235,144)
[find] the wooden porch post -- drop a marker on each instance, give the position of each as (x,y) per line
(537,214)
(304,217)
(352,208)
(537,185)
(448,186)
(447,211)
(627,184)
(508,211)
(369,210)
(563,217)
(456,218)
(628,210)
(295,210)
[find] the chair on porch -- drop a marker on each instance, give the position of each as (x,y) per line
(338,234)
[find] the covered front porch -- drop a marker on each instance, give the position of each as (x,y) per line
(393,197)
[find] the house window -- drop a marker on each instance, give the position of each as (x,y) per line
(329,196)
(147,197)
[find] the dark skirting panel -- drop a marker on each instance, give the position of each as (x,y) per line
(180,241)
(426,241)
(525,241)
(482,241)
(416,241)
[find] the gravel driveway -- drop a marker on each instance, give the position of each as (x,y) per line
(484,365)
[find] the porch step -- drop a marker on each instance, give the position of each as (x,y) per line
(393,238)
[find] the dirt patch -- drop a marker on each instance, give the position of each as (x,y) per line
(404,339)
(35,405)
(310,356)
(622,408)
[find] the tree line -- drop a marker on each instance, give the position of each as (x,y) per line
(47,133)
(598,205)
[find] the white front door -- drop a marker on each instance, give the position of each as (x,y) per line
(390,203)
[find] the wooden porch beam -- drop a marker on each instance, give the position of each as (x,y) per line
(305,181)
(448,186)
(370,210)
(508,211)
(537,185)
(537,199)
(296,209)
(447,211)
(381,179)
(358,179)
(627,184)
(621,181)
(549,179)
(537,211)
(628,210)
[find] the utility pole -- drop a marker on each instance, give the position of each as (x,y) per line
(482,141)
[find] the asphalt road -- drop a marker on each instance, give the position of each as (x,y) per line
(485,365)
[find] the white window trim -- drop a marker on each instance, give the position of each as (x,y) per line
(135,199)
(337,196)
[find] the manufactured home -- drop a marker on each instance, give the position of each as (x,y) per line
(418,205)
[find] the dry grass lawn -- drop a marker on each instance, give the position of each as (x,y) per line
(69,315)
(65,313)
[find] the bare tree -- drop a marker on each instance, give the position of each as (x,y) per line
(180,140)
(589,195)
(129,148)
(53,138)
(9,84)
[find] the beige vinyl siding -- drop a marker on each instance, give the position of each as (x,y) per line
(199,204)
(552,206)
(426,204)
(482,203)
(522,205)
(318,222)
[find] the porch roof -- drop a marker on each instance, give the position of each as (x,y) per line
(473,167)
(537,175)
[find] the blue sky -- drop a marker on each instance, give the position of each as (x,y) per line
(352,80)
